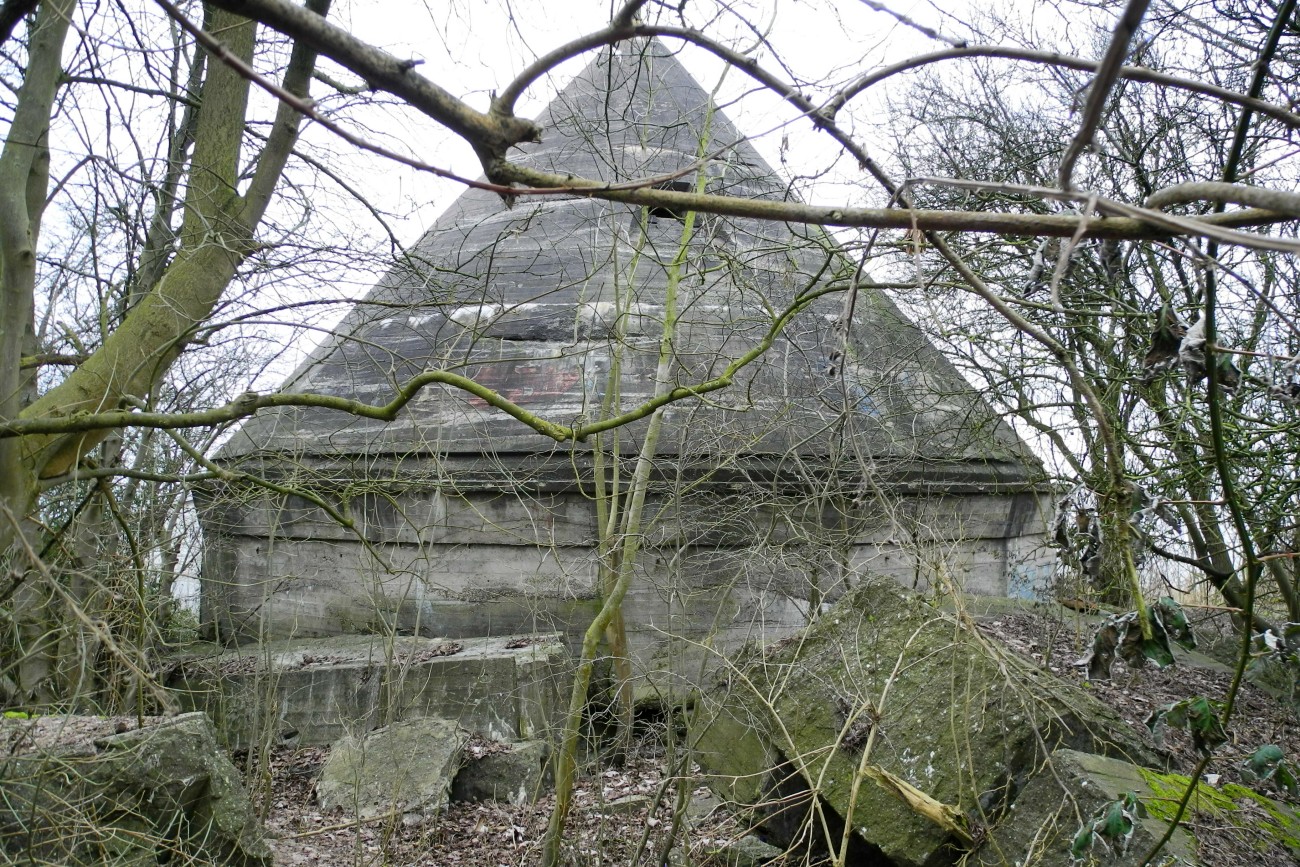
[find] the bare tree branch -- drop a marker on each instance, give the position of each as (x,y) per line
(915,25)
(11,13)
(491,135)
(249,403)
(1175,225)
(1099,90)
(1224,193)
(1065,61)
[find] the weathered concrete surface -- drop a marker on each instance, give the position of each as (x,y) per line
(733,569)
(939,707)
(517,775)
(127,799)
(508,688)
(405,768)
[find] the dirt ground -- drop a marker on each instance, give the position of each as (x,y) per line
(623,815)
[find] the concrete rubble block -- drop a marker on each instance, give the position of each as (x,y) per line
(627,805)
(940,708)
(405,768)
(318,690)
(162,792)
(748,851)
(515,773)
(1080,788)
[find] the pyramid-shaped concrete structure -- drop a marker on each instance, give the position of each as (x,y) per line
(839,449)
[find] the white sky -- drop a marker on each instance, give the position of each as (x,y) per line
(472,49)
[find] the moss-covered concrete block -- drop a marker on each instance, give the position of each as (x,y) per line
(887,681)
(1078,788)
(166,790)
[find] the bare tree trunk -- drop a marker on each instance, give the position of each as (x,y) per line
(24,178)
(216,236)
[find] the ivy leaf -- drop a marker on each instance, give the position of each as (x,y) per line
(1157,650)
(1198,715)
(1113,823)
(1264,761)
(1117,823)
(1158,719)
(1101,655)
(1267,764)
(1285,777)
(1122,634)
(1207,731)
(1174,620)
(1082,843)
(1136,650)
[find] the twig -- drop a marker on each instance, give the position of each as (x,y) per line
(915,25)
(1099,90)
(1173,224)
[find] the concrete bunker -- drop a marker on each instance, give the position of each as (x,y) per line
(849,445)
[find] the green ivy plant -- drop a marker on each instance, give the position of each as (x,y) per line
(1121,635)
(1268,764)
(1198,715)
(1112,826)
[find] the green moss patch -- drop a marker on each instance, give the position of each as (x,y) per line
(1232,806)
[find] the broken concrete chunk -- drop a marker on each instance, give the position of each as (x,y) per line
(748,851)
(125,798)
(516,775)
(405,768)
(1080,803)
(899,717)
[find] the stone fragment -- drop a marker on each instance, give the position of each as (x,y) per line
(517,775)
(748,851)
(405,768)
(952,721)
(1080,788)
(124,798)
(627,805)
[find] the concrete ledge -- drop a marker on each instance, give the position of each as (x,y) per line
(318,690)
